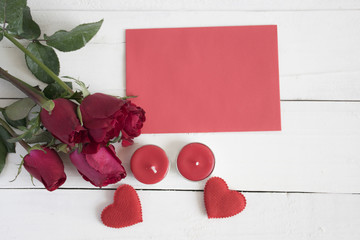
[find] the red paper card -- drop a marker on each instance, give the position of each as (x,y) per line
(212,79)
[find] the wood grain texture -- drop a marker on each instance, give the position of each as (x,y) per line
(316,151)
(195,5)
(75,214)
(318,51)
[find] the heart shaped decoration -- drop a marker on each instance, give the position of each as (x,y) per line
(220,202)
(126,209)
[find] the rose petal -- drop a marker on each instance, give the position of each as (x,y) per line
(46,166)
(101,168)
(63,122)
(99,105)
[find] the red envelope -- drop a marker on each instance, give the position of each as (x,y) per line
(208,79)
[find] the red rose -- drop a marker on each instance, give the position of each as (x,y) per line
(135,117)
(102,115)
(100,168)
(63,122)
(46,166)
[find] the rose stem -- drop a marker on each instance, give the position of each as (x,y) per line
(42,65)
(30,91)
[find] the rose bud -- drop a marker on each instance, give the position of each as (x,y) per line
(63,122)
(135,117)
(100,168)
(102,115)
(46,166)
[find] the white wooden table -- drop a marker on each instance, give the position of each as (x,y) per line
(300,183)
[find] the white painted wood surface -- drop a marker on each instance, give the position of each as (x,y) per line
(75,214)
(316,155)
(318,50)
(319,140)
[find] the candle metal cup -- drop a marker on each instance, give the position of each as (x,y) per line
(195,161)
(149,164)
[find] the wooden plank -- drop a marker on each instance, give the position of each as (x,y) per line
(75,214)
(198,5)
(323,67)
(111,79)
(106,75)
(317,151)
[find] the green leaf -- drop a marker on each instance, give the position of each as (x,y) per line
(48,106)
(42,137)
(75,39)
(4,136)
(19,109)
(48,56)
(79,115)
(34,128)
(15,123)
(25,135)
(117,139)
(3,154)
(22,128)
(68,77)
(19,168)
(128,97)
(11,12)
(77,96)
(83,88)
(29,30)
(1,34)
(54,90)
(32,179)
(62,148)
(37,147)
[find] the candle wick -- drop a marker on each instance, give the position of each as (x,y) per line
(197,163)
(153,168)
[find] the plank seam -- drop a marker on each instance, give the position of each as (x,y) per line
(197,10)
(281,100)
(185,190)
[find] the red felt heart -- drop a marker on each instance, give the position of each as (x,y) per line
(220,202)
(126,209)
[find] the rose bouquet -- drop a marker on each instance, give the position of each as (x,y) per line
(59,117)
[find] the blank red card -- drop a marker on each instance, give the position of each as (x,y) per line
(208,79)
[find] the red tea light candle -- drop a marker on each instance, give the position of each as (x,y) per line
(149,164)
(196,161)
